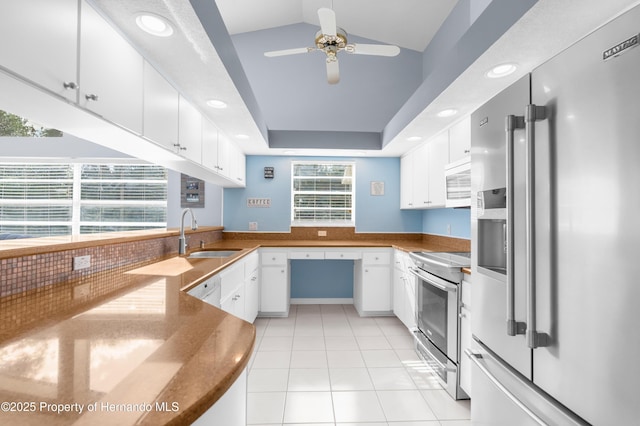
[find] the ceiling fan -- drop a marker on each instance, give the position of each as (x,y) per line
(331,39)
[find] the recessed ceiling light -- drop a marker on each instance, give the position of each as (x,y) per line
(501,70)
(414,138)
(450,112)
(154,24)
(216,103)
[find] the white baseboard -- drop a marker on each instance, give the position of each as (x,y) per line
(321,301)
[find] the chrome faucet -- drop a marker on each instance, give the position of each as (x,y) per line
(182,241)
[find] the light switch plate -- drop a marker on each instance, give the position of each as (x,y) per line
(322,233)
(253,226)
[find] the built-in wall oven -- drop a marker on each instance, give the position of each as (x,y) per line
(438,297)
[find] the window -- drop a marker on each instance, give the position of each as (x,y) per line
(323,193)
(41,200)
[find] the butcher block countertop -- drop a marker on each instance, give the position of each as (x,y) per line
(147,353)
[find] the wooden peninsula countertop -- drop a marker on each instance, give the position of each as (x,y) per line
(148,353)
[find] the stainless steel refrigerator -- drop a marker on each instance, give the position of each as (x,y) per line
(556,239)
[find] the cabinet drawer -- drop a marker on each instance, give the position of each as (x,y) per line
(345,255)
(273,258)
(251,264)
(376,258)
(306,255)
(230,279)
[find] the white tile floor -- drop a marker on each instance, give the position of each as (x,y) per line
(325,365)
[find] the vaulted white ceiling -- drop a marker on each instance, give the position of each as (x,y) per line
(410,24)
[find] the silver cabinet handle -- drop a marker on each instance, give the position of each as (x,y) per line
(514,328)
(91,97)
(533,114)
(70,85)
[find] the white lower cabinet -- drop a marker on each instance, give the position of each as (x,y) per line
(404,297)
(251,287)
(230,409)
(372,292)
(465,335)
(274,283)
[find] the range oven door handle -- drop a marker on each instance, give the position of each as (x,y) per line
(441,284)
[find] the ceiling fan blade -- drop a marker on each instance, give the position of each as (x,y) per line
(373,49)
(327,21)
(333,72)
(286,52)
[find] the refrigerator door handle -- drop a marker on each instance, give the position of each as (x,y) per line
(514,328)
(475,358)
(533,113)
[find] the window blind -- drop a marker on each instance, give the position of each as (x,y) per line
(323,193)
(61,199)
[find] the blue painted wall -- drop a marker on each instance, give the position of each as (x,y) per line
(322,279)
(435,221)
(373,213)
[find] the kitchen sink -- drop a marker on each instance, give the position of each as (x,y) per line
(213,253)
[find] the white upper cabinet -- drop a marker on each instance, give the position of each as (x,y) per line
(160,109)
(111,72)
(406,182)
(422,175)
(40,42)
(460,140)
(190,131)
(438,157)
(209,144)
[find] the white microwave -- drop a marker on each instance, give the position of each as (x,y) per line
(458,183)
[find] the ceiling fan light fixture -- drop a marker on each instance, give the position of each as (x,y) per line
(217,103)
(154,24)
(501,70)
(449,112)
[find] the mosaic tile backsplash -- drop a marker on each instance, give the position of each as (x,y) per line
(26,273)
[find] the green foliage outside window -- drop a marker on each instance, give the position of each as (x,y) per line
(13,125)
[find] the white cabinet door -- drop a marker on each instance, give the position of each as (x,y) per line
(236,164)
(190,131)
(234,303)
(398,294)
(209,144)
(224,167)
(252,297)
(40,42)
(420,176)
(376,289)
(465,343)
(274,290)
(438,155)
(111,72)
(460,140)
(406,182)
(160,113)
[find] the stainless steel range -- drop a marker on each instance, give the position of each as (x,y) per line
(438,297)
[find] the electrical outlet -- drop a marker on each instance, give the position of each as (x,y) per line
(322,233)
(81,262)
(253,226)
(81,291)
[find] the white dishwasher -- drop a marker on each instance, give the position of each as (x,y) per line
(209,291)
